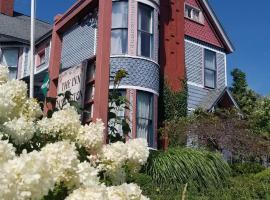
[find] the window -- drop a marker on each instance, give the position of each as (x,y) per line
(210,69)
(42,57)
(193,13)
(9,58)
(145,123)
(119,35)
(145,31)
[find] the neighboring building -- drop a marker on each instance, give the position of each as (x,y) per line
(206,49)
(151,39)
(15,41)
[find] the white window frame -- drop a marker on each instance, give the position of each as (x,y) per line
(122,28)
(150,33)
(201,17)
(213,70)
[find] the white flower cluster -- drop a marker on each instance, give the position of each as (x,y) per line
(25,177)
(91,136)
(65,123)
(20,130)
(137,152)
(122,192)
(134,153)
(13,95)
(7,151)
(3,74)
(31,109)
(32,175)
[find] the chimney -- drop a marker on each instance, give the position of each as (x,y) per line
(6,7)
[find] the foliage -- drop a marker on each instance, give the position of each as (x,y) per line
(246,187)
(172,104)
(181,166)
(175,129)
(153,190)
(223,130)
(245,97)
(118,103)
(246,168)
(260,117)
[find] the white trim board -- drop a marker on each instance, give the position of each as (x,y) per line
(135,88)
(205,47)
(138,57)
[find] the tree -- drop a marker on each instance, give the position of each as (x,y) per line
(245,97)
(260,117)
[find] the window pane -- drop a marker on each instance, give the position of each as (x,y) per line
(145,44)
(210,59)
(119,39)
(210,78)
(12,73)
(145,18)
(10,57)
(188,11)
(120,14)
(196,15)
(145,117)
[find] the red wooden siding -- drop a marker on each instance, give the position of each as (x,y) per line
(204,32)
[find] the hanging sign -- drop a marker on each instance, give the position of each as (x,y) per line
(72,80)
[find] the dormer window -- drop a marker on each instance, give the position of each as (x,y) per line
(193,13)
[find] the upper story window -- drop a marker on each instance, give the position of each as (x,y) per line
(210,69)
(10,58)
(193,13)
(119,35)
(145,30)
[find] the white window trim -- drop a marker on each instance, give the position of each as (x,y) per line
(135,88)
(216,71)
(201,16)
(152,50)
(127,28)
(138,57)
(149,3)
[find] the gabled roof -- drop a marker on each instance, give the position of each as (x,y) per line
(218,26)
(215,97)
(17,28)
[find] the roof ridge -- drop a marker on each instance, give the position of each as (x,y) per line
(43,21)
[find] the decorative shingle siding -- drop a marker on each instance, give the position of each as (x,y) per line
(78,45)
(205,31)
(142,73)
(196,95)
(194,61)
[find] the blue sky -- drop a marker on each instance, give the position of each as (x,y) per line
(245,22)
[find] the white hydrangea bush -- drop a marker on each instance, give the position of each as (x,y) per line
(31,173)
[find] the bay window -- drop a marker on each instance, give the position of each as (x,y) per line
(210,69)
(9,58)
(119,34)
(145,121)
(145,30)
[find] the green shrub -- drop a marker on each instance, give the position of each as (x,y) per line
(180,166)
(263,176)
(153,190)
(244,187)
(246,168)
